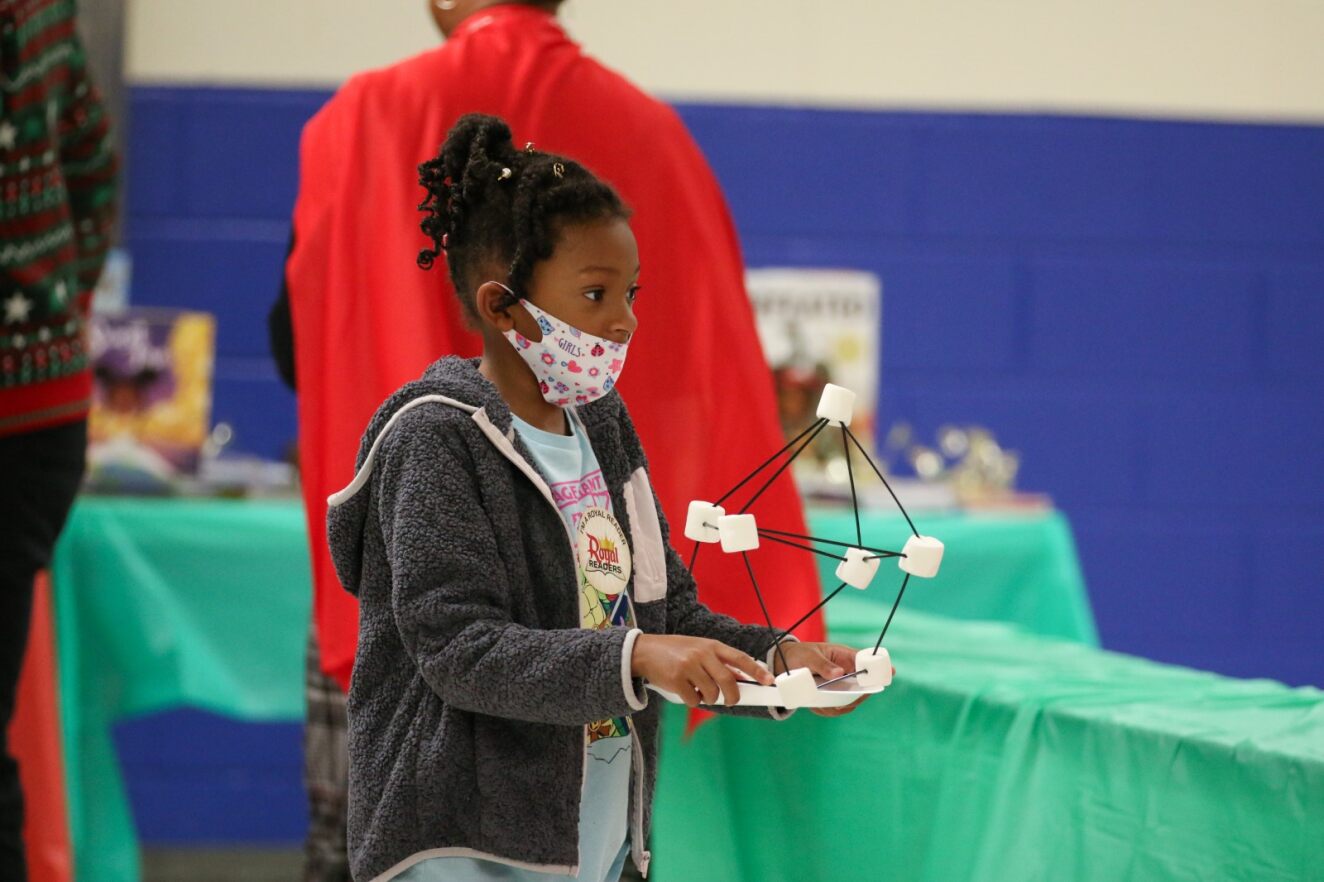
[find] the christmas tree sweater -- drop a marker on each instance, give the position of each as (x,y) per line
(57,194)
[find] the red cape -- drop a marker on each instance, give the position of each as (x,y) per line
(367,320)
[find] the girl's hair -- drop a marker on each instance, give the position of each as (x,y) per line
(488,202)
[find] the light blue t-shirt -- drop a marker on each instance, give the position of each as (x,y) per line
(577,485)
(571,468)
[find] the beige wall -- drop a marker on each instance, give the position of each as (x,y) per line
(1253,59)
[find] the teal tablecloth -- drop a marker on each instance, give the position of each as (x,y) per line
(169,603)
(162,604)
(1019,568)
(1002,756)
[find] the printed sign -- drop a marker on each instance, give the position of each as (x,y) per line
(819,326)
(151,399)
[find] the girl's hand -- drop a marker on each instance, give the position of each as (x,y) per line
(827,660)
(695,668)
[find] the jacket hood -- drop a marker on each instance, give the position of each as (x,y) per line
(450,381)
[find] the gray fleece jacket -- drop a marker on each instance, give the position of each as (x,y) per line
(474,681)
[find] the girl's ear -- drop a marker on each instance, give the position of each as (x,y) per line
(493,300)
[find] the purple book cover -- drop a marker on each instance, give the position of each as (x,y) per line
(151,404)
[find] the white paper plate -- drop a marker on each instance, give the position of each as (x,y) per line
(835,694)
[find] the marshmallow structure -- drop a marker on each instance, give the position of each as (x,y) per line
(701,521)
(738,532)
(873,668)
(921,556)
(797,688)
(859,567)
(836,405)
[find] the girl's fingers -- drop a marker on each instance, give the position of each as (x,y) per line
(822,665)
(687,694)
(702,681)
(832,711)
(725,679)
(842,656)
(745,664)
(839,711)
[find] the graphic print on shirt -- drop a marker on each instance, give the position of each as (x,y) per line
(573,496)
(605,564)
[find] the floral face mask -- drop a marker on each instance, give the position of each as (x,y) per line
(572,366)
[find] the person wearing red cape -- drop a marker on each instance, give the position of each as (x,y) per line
(366,319)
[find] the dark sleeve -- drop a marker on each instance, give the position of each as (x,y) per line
(89,167)
(280,326)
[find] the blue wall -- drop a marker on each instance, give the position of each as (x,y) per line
(1138,307)
(194,777)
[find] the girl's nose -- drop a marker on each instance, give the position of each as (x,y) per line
(624,327)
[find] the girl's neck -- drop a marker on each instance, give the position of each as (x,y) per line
(502,366)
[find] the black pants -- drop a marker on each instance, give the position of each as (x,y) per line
(39,476)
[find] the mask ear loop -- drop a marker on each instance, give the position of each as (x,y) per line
(511,299)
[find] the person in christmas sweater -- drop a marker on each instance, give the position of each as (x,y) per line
(57,201)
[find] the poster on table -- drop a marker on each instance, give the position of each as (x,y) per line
(819,326)
(151,399)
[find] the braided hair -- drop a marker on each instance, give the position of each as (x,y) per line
(488,202)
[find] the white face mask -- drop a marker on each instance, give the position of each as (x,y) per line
(572,366)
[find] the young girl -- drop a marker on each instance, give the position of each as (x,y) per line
(515,579)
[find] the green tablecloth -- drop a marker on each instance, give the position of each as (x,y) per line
(991,742)
(163,604)
(1001,567)
(998,755)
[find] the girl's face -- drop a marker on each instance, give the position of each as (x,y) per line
(589,282)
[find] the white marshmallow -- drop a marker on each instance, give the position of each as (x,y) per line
(873,669)
(797,688)
(859,567)
(738,532)
(701,522)
(836,405)
(921,556)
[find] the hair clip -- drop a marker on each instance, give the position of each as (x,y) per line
(505,174)
(558,169)
(445,241)
(528,147)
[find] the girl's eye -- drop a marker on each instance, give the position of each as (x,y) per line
(595,295)
(632,294)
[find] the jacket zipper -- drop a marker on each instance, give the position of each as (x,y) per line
(504,444)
